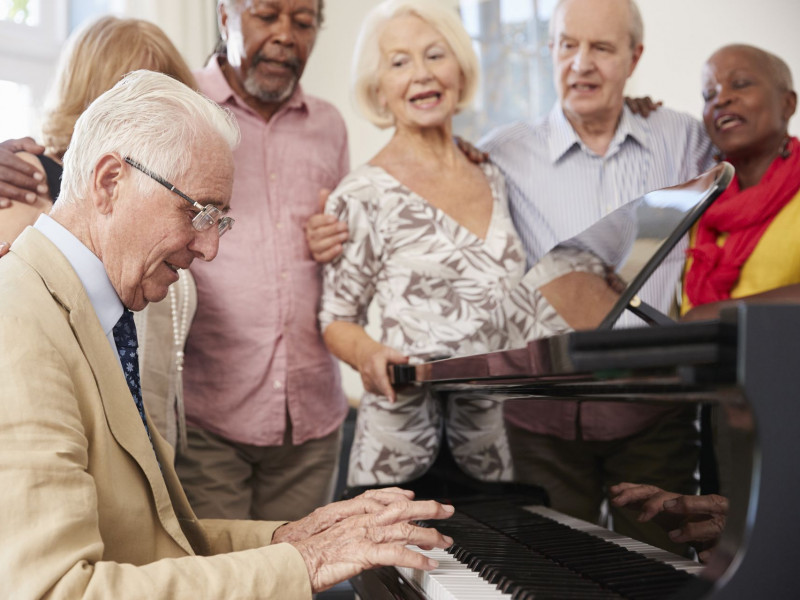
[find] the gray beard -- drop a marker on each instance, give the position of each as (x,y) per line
(252,87)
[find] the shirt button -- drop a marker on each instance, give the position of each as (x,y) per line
(278,225)
(272,176)
(277,385)
(283,275)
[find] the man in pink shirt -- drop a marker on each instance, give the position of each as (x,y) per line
(264,404)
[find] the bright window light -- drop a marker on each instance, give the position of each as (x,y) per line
(16,113)
(23,12)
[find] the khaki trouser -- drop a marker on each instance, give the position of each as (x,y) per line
(229,480)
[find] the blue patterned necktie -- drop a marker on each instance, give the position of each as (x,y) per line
(128,350)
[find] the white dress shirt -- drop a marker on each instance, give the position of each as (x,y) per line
(90,271)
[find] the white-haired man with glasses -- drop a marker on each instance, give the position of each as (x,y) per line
(263,430)
(92,506)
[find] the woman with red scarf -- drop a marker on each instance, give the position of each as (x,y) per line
(747,242)
(746,245)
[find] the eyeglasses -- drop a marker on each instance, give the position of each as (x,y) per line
(209,214)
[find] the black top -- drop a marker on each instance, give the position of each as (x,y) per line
(53,172)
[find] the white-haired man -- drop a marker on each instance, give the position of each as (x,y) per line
(92,507)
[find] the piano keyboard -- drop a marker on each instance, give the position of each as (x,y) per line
(674,560)
(505,551)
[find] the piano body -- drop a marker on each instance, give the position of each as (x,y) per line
(747,362)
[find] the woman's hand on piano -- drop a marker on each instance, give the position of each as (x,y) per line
(373,364)
(696,520)
(350,343)
(340,540)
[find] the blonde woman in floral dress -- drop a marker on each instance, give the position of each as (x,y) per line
(430,241)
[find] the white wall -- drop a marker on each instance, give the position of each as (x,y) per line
(681,34)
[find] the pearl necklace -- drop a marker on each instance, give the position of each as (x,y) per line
(180,327)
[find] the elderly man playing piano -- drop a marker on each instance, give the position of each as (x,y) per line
(92,506)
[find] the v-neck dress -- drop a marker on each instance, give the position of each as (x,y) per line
(437,290)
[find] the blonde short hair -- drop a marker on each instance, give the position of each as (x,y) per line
(95,58)
(366,60)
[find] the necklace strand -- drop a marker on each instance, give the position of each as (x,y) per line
(180,327)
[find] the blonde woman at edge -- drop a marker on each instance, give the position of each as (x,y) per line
(430,241)
(94,59)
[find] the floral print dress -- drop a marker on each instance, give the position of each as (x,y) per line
(438,291)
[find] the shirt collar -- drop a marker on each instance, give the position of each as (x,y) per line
(90,271)
(219,90)
(631,126)
(563,137)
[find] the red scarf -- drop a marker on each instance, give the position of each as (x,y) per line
(744,215)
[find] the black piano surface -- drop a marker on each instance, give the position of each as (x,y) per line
(748,362)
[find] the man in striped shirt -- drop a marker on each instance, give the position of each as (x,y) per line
(587,157)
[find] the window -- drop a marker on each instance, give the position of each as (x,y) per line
(31,35)
(25,12)
(17,117)
(510,38)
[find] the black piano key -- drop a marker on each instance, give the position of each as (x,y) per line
(532,557)
(515,569)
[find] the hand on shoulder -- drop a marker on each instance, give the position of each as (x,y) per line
(21,175)
(325,234)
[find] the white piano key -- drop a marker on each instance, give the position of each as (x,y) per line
(675,560)
(451,580)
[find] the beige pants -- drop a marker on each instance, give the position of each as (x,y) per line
(228,480)
(576,474)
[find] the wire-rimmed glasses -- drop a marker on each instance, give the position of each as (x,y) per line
(203,220)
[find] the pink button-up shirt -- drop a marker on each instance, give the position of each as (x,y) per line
(254,350)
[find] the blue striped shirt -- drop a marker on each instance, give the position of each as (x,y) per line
(557,187)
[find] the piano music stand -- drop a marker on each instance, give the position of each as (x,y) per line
(708,186)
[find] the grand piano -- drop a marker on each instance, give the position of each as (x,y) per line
(509,544)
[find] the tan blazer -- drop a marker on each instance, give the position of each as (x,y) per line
(86,509)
